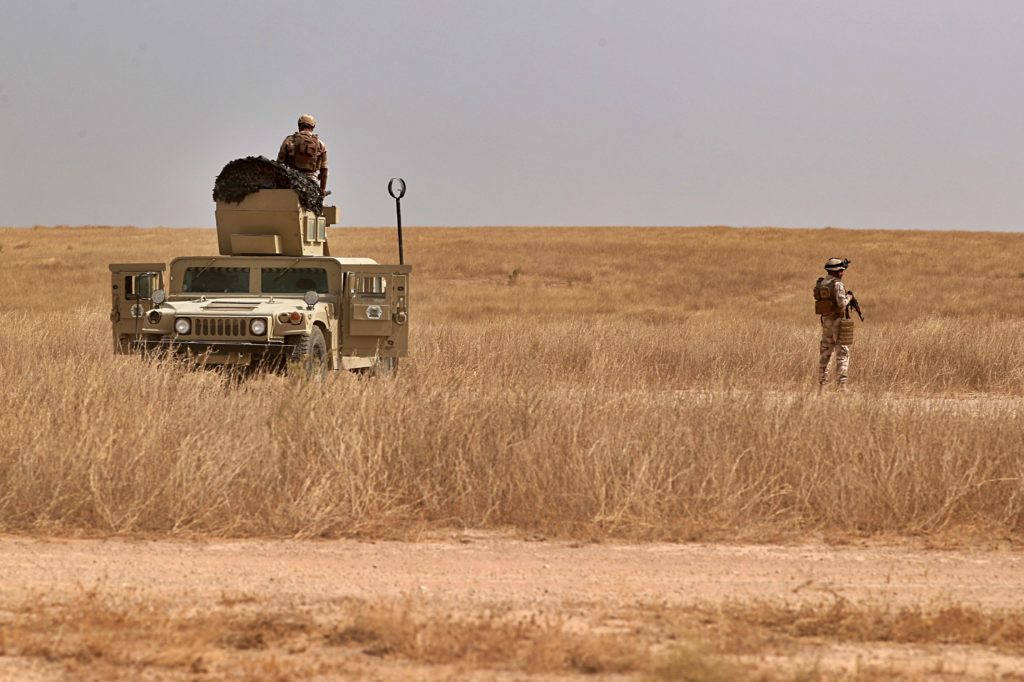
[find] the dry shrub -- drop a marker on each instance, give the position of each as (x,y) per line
(101,632)
(695,665)
(102,636)
(98,630)
(634,383)
(841,620)
(495,636)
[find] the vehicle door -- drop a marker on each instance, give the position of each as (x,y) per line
(131,291)
(375,311)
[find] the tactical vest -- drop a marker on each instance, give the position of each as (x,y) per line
(825,298)
(306,152)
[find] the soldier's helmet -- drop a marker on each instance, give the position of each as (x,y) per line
(836,264)
(307,121)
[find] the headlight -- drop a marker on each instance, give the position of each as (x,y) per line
(182,325)
(258,327)
(154,316)
(293,318)
(159,296)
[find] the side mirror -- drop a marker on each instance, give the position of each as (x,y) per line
(144,285)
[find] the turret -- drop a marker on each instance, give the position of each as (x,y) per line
(272,222)
(265,208)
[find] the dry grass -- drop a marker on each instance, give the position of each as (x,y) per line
(101,636)
(648,383)
(104,634)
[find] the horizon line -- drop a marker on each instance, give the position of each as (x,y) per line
(555,227)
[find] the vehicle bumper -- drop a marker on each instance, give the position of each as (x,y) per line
(215,352)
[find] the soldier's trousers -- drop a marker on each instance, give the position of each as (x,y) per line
(829,345)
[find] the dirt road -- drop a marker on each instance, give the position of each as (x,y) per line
(468,572)
(483,569)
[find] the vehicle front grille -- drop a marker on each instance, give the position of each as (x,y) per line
(220,327)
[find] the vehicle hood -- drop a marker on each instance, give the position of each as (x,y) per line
(227,307)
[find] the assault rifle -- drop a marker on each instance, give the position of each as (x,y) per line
(854,304)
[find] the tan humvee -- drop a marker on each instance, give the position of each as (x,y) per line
(274,297)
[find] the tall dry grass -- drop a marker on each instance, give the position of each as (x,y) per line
(648,383)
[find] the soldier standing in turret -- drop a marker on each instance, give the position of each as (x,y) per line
(306,152)
(830,302)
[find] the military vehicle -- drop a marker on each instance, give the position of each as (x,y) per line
(275,297)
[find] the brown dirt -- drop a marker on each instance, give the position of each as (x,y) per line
(593,586)
(482,568)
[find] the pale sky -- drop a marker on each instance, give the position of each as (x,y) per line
(874,113)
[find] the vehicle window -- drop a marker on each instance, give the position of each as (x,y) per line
(293,280)
(218,280)
(370,285)
(138,286)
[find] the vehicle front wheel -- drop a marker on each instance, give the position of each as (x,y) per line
(309,356)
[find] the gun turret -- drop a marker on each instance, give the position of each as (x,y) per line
(272,222)
(265,208)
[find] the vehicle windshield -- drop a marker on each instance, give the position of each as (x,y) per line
(216,280)
(293,280)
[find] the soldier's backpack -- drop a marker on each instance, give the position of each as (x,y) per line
(825,298)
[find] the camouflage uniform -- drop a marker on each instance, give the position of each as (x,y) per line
(304,151)
(830,335)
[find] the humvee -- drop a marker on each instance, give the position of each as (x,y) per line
(273,298)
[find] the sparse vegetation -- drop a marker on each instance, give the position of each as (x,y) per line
(646,384)
(108,635)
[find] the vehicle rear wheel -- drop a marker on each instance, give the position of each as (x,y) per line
(309,356)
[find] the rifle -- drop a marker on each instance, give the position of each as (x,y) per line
(855,305)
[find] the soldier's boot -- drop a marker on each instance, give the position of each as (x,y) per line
(841,387)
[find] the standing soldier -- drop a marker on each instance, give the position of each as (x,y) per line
(831,301)
(305,151)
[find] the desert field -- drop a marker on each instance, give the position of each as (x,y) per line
(586,399)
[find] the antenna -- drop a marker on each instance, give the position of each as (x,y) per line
(396,188)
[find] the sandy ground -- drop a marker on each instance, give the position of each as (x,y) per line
(468,571)
(493,569)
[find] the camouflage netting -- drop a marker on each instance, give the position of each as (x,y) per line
(242,177)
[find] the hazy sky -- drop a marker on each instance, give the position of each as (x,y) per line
(875,113)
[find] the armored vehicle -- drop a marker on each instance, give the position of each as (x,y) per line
(274,297)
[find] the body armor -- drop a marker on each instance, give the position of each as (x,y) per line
(306,151)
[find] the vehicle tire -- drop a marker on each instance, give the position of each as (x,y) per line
(309,356)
